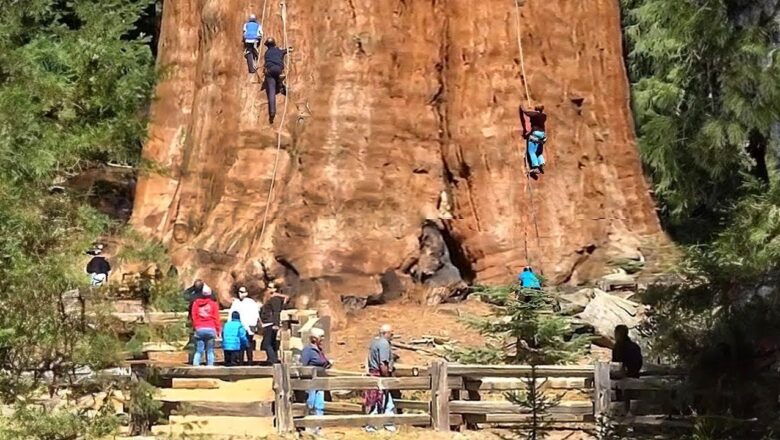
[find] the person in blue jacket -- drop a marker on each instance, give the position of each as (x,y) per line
(253,34)
(313,356)
(529,280)
(234,340)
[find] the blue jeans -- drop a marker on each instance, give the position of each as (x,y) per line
(204,341)
(316,402)
(535,144)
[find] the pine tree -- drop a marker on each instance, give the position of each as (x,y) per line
(523,330)
(75,78)
(705,95)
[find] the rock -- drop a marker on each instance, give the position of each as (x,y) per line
(334,310)
(619,280)
(353,303)
(346,200)
(575,302)
(604,312)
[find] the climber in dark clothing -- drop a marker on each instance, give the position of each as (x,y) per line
(627,352)
(274,75)
(536,136)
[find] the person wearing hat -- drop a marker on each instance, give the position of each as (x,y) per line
(380,363)
(271,318)
(249,312)
(98,267)
(314,356)
(274,78)
(253,33)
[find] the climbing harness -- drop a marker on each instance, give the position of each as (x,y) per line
(283,7)
(529,187)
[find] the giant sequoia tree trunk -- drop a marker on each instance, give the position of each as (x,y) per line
(391,104)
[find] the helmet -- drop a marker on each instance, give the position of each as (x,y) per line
(270,42)
(253,17)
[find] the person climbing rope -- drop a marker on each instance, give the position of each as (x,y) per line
(253,33)
(274,75)
(535,134)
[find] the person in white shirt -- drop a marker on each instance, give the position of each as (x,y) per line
(249,311)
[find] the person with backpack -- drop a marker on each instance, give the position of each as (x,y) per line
(234,340)
(207,325)
(253,33)
(535,136)
(274,75)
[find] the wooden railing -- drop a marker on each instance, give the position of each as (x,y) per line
(653,399)
(455,395)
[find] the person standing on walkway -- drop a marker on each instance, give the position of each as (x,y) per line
(249,311)
(271,317)
(234,340)
(314,356)
(380,364)
(207,325)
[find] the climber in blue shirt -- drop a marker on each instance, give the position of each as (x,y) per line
(529,280)
(253,33)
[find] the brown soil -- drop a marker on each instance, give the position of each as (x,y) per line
(349,347)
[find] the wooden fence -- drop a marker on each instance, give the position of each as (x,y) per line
(456,395)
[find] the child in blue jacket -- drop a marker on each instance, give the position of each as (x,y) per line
(234,340)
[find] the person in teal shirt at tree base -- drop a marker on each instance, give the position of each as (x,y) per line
(529,280)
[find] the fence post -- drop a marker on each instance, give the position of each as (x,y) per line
(440,396)
(603,388)
(282,399)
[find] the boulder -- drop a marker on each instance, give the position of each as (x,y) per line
(604,312)
(575,302)
(619,280)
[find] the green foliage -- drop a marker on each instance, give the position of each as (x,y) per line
(523,330)
(74,81)
(166,296)
(144,410)
(704,87)
(538,403)
(34,423)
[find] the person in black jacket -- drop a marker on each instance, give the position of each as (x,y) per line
(274,69)
(98,268)
(271,318)
(627,352)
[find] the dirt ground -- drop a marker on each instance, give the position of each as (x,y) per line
(198,429)
(349,347)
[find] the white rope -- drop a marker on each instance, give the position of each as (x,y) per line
(529,188)
(283,7)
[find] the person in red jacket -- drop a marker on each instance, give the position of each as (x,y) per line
(207,325)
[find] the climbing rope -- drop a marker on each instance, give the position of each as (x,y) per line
(529,187)
(283,7)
